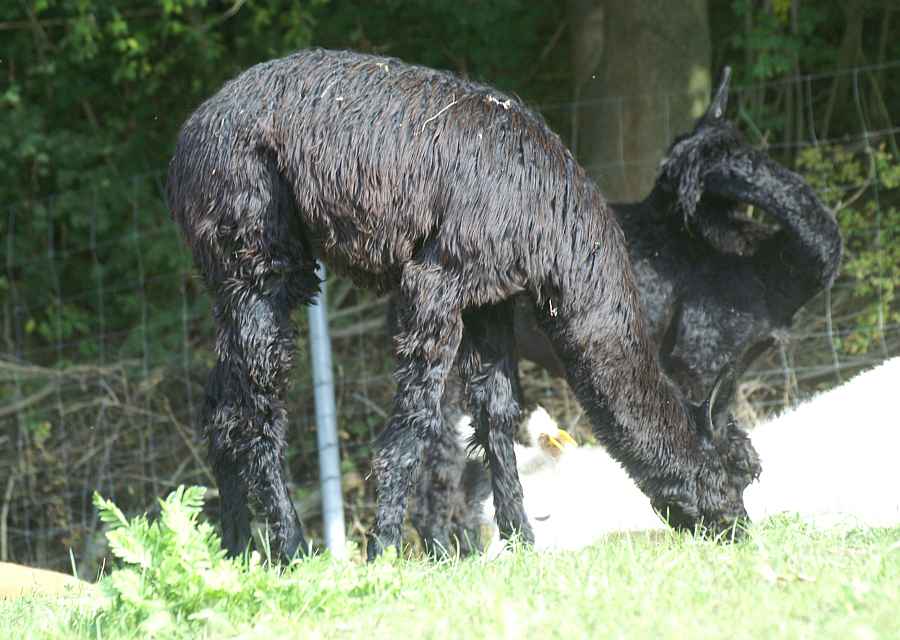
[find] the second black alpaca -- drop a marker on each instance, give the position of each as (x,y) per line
(457,197)
(717,288)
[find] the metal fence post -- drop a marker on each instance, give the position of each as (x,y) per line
(326,427)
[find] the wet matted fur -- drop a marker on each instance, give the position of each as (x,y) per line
(457,197)
(717,288)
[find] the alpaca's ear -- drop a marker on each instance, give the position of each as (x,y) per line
(719,102)
(716,408)
(689,160)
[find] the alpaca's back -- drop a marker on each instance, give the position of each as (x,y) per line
(593,496)
(834,457)
(377,157)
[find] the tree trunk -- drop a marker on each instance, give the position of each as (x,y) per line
(850,55)
(641,77)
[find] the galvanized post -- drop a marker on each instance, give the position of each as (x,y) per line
(326,427)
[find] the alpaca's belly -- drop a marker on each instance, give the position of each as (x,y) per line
(369,247)
(366,268)
(372,248)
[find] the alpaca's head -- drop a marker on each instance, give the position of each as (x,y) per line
(712,497)
(709,175)
(693,157)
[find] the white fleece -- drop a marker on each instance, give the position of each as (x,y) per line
(833,460)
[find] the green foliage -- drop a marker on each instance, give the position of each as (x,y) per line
(500,42)
(786,580)
(94,96)
(174,578)
(174,569)
(791,61)
(775,43)
(863,189)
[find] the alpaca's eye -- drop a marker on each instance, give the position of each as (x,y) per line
(542,518)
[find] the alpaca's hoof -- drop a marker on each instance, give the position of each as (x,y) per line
(439,547)
(295,546)
(523,534)
(378,542)
(373,548)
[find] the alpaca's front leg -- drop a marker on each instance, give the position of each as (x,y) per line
(430,331)
(437,489)
(441,513)
(494,395)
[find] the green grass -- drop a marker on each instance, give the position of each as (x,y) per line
(786,581)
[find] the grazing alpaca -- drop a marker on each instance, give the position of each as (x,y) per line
(811,468)
(716,287)
(457,197)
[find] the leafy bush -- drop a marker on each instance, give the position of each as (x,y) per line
(175,568)
(174,578)
(863,189)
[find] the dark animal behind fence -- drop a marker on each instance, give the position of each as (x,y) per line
(717,288)
(457,197)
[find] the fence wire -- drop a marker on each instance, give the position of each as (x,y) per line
(107,340)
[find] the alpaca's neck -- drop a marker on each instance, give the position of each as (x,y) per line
(611,365)
(588,305)
(633,409)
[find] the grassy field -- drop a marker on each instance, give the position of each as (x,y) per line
(785,581)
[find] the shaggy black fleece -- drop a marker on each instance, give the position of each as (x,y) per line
(457,197)
(450,485)
(717,288)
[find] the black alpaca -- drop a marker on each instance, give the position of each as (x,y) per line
(716,287)
(457,197)
(450,485)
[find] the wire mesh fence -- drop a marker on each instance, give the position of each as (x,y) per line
(107,337)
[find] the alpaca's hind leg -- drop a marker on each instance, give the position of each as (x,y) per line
(245,417)
(494,395)
(430,328)
(258,267)
(233,509)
